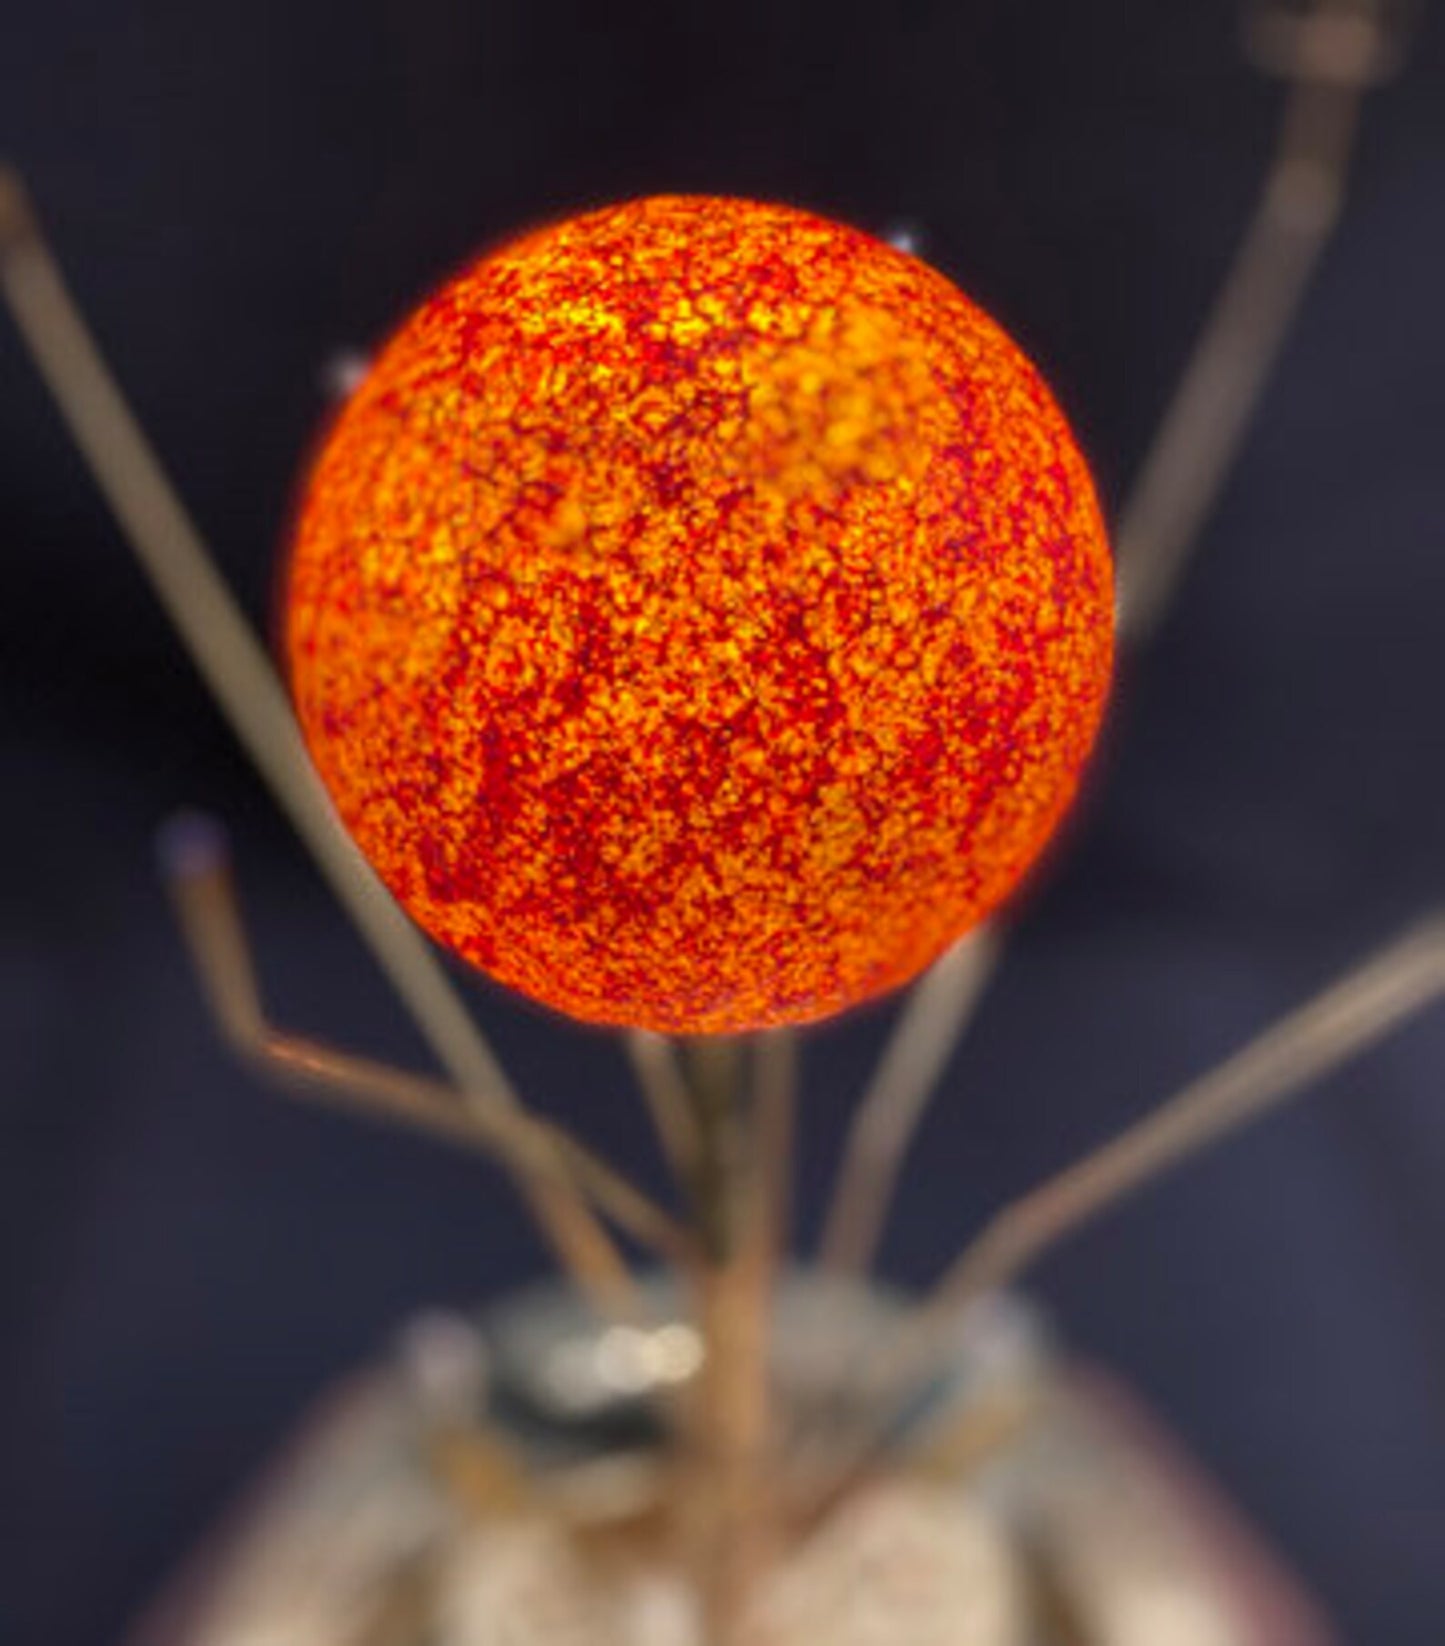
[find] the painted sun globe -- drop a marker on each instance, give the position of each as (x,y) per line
(700,615)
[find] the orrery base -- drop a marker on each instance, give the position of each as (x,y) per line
(502,1486)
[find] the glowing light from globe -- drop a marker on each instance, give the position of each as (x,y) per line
(700,615)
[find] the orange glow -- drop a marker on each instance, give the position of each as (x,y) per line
(700,615)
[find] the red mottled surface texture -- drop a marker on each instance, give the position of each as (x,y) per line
(700,615)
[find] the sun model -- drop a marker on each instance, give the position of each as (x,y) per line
(699,615)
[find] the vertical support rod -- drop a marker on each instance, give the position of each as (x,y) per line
(732,1420)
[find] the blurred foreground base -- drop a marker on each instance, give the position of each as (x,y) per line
(502,1483)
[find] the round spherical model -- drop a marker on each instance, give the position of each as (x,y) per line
(699,615)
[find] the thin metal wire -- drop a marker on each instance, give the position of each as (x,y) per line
(1335,54)
(1355,1012)
(931,1024)
(664,1088)
(1331,55)
(776,1079)
(240,675)
(198,876)
(227,653)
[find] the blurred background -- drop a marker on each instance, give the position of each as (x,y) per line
(239,193)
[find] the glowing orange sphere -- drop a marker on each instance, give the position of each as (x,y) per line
(700,615)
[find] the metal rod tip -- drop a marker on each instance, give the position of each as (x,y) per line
(17,219)
(192,844)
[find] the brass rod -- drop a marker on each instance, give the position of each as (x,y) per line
(202,890)
(245,685)
(933,1020)
(1352,1014)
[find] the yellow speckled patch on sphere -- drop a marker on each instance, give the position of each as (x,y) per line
(700,615)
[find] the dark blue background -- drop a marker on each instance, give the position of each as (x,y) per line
(239,189)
